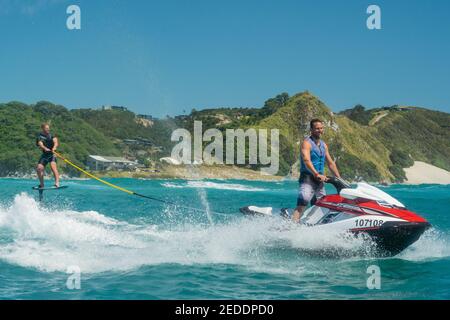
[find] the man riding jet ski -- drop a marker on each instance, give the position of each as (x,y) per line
(364,209)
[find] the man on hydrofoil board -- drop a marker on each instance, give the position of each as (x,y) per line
(48,144)
(314,153)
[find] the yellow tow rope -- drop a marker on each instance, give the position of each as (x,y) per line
(91,175)
(123,189)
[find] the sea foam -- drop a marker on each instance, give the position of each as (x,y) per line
(50,240)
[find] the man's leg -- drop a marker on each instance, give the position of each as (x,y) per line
(305,194)
(319,191)
(55,172)
(40,169)
(298,213)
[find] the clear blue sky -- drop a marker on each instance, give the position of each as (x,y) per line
(163,57)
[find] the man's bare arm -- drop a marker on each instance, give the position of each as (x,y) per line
(331,163)
(43,148)
(55,143)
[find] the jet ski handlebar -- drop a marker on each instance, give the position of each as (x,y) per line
(338,183)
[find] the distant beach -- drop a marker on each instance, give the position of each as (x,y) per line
(422,172)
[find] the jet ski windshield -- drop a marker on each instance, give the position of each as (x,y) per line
(363,191)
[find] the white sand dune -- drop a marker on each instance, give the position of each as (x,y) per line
(422,172)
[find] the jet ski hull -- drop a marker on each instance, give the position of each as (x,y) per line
(393,237)
(389,234)
(362,210)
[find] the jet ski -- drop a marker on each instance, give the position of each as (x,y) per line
(363,210)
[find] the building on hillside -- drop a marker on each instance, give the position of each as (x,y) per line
(144,142)
(138,142)
(145,116)
(130,141)
(104,163)
(119,108)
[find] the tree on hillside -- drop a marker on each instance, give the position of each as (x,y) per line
(273,104)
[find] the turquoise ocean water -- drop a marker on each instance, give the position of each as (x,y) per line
(131,248)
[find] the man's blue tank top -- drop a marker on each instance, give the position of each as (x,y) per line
(317,157)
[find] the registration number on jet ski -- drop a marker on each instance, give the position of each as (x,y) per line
(368,223)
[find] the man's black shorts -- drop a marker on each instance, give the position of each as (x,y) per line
(47,158)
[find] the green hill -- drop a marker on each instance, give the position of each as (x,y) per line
(356,152)
(409,133)
(374,144)
(120,125)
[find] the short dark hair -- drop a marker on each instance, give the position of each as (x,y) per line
(313,121)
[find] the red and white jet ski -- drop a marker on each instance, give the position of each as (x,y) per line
(364,209)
